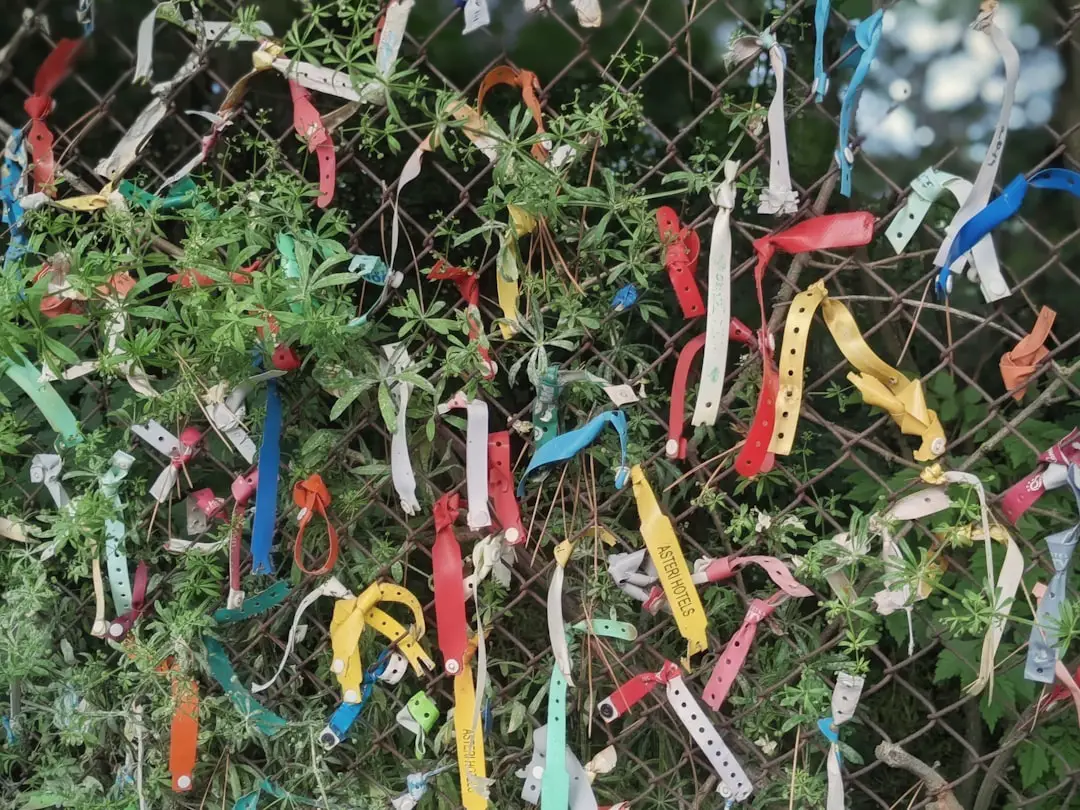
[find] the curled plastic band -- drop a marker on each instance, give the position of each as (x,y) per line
(1019,364)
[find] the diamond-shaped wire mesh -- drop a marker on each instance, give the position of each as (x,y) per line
(687,96)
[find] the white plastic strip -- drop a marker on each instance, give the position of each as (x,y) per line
(45,468)
(215,32)
(476,15)
(735,784)
(332,587)
(401,469)
(556,626)
(588,13)
(227,415)
(779,198)
(991,281)
(714,363)
(127,150)
(845,698)
(476,464)
(581,794)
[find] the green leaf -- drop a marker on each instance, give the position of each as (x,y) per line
(335,280)
(61,351)
(386,406)
(1033,761)
(156,313)
(956,661)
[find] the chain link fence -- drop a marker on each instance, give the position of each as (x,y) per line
(688,98)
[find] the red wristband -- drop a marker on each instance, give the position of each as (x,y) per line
(469,289)
(501,488)
(676,444)
(820,233)
(448,568)
(309,128)
(39,141)
(682,248)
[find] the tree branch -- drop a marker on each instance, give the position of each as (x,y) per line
(896,757)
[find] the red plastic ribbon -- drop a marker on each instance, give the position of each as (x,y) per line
(310,129)
(676,444)
(40,140)
(208,503)
(683,246)
(820,233)
(312,496)
(123,624)
(1022,495)
(501,488)
(469,289)
(634,690)
(190,437)
(734,654)
(449,576)
(189,278)
(53,306)
(243,490)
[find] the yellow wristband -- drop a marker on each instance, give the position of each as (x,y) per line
(667,557)
(792,366)
(470,741)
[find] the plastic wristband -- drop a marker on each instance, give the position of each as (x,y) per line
(779,198)
(868,37)
(476,461)
(565,447)
(1019,364)
(951,257)
(718,325)
(820,233)
(1042,655)
(1048,474)
(845,698)
(667,557)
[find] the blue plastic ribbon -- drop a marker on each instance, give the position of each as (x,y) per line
(262,532)
(565,447)
(337,727)
(998,211)
(828,728)
(11,212)
(867,36)
(85,15)
(9,732)
(625,298)
(821,23)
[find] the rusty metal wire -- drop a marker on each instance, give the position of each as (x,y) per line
(92,115)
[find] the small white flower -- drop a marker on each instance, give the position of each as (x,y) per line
(764,521)
(767,746)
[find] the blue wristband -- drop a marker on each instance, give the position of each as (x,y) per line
(821,23)
(1000,209)
(262,533)
(568,445)
(867,36)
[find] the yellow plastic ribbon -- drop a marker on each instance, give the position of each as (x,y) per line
(88,203)
(508,266)
(470,741)
(350,618)
(883,386)
(667,557)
